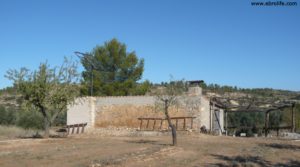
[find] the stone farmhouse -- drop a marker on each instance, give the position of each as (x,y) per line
(127,111)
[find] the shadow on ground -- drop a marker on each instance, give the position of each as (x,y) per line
(38,136)
(241,161)
(282,146)
(146,142)
(291,163)
(247,161)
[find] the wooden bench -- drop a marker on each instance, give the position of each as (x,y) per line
(71,128)
(161,120)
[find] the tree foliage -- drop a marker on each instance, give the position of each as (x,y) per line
(26,118)
(115,71)
(30,119)
(47,90)
(7,116)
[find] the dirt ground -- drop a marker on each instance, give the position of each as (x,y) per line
(192,150)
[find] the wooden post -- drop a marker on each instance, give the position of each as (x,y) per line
(226,130)
(82,130)
(184,124)
(73,129)
(68,129)
(141,124)
(192,123)
(266,123)
(293,119)
(211,116)
(147,124)
(161,122)
(78,126)
(154,124)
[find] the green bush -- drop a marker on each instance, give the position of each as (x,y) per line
(27,119)
(141,88)
(30,120)
(7,116)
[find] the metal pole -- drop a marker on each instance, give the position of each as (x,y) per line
(92,80)
(83,56)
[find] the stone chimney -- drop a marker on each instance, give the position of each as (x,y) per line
(194,88)
(195,91)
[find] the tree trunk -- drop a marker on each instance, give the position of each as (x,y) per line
(46,122)
(46,127)
(173,128)
(174,135)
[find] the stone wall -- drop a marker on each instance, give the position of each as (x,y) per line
(124,111)
(82,111)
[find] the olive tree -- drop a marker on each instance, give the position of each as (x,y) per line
(48,90)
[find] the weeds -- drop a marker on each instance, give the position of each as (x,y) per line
(11,132)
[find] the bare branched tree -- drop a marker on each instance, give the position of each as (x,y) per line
(168,96)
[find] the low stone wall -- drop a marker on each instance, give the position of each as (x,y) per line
(104,112)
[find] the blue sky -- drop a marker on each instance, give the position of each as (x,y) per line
(226,42)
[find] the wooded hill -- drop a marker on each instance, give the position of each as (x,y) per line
(8,96)
(10,101)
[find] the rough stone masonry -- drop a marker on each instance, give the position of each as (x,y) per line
(124,111)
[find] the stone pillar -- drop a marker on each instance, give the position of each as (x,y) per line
(92,111)
(194,104)
(226,125)
(195,91)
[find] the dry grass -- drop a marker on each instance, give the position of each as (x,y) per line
(192,150)
(13,132)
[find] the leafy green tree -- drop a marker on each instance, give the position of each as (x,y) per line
(142,88)
(243,121)
(203,85)
(47,90)
(114,70)
(275,118)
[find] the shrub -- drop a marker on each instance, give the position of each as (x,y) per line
(30,119)
(10,132)
(7,116)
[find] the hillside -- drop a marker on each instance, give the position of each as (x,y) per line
(229,91)
(9,100)
(9,97)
